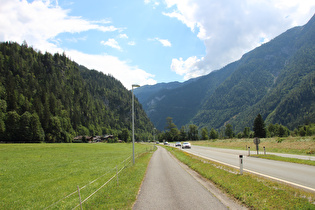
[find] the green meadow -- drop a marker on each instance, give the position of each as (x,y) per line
(46,176)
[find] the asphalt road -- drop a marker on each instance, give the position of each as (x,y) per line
(292,173)
(168,185)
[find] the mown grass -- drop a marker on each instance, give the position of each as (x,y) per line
(291,145)
(37,176)
(286,159)
(253,191)
(124,194)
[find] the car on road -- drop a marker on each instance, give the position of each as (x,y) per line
(186,145)
(166,143)
(178,144)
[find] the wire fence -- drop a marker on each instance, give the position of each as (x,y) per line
(122,166)
(80,204)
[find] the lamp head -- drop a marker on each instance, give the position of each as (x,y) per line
(134,85)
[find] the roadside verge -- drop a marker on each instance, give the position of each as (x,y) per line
(252,190)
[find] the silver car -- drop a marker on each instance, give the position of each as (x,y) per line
(178,144)
(186,145)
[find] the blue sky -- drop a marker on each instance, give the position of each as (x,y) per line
(150,41)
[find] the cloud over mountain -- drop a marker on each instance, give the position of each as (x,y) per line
(231,28)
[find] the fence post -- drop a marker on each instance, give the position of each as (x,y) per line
(117,175)
(248,151)
(264,150)
(79,197)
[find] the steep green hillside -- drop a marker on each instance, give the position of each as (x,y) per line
(145,92)
(252,80)
(278,83)
(275,79)
(292,101)
(183,102)
(50,98)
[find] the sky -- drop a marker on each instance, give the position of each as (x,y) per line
(150,41)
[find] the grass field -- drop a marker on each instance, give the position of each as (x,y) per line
(37,176)
(291,145)
(286,159)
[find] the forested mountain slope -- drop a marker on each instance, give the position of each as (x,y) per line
(183,102)
(50,98)
(291,101)
(275,79)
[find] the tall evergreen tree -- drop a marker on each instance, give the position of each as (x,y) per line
(125,136)
(246,132)
(37,130)
(3,107)
(213,134)
(204,134)
(183,133)
(13,126)
(259,127)
(26,134)
(229,131)
(172,133)
(193,132)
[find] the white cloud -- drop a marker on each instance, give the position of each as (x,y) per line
(75,40)
(40,22)
(187,67)
(132,43)
(108,64)
(155,3)
(231,28)
(164,42)
(111,43)
(104,21)
(123,36)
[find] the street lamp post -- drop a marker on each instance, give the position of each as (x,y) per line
(154,134)
(133,123)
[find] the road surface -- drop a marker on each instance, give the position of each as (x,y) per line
(292,173)
(168,184)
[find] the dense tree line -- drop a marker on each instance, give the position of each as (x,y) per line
(260,130)
(45,97)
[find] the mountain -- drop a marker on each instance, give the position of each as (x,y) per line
(45,97)
(145,92)
(183,101)
(275,80)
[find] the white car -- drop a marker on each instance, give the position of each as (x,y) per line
(186,145)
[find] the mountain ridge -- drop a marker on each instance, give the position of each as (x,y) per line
(248,88)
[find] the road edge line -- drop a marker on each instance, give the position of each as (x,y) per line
(257,173)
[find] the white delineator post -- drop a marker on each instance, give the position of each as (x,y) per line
(241,164)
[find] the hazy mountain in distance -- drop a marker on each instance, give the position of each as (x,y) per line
(275,79)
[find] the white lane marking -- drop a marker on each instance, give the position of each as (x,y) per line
(260,174)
